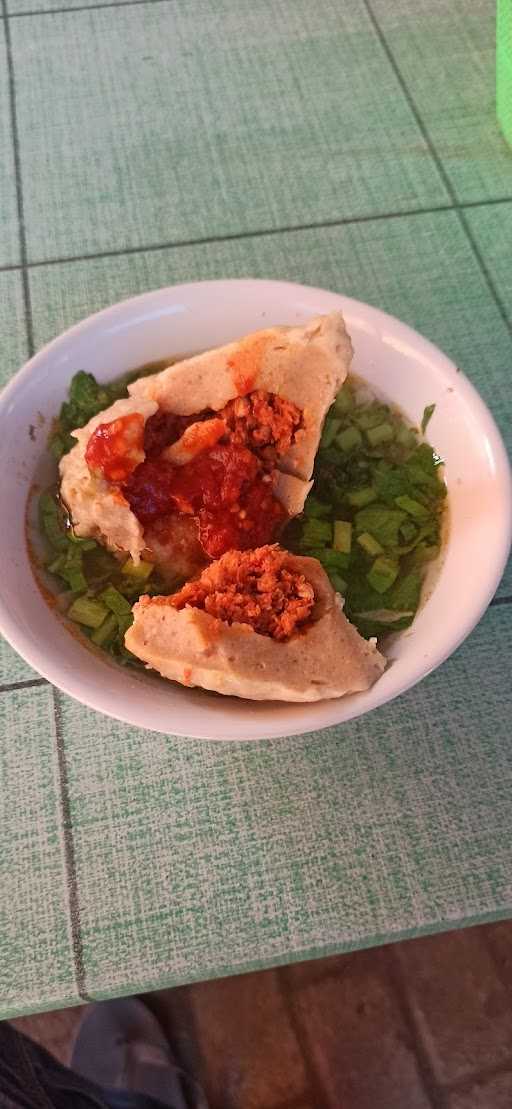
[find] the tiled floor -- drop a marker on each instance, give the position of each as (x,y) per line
(425,1024)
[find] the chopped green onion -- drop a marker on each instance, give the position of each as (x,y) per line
(331,559)
(408,531)
(349,439)
(316,533)
(331,428)
(385,615)
(381,522)
(342,536)
(344,401)
(406,436)
(57,445)
(383,433)
(427,416)
(75,578)
(87,611)
(52,522)
(124,622)
(106,632)
(369,544)
(57,565)
(314,507)
(115,601)
(361,497)
(84,544)
(424,553)
(371,416)
(412,507)
(383,573)
(338,582)
(405,593)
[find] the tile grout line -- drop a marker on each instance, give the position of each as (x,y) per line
(498,601)
(19,193)
(28,683)
(485,270)
(231,236)
(257,233)
(69,856)
(80,8)
(434,1092)
(459,209)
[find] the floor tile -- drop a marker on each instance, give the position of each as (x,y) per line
(358,1040)
(36,961)
(12,667)
(489,1093)
(241,1045)
(500,940)
(14,354)
(313,124)
(55,1031)
(302,974)
(462,1008)
(492,228)
(9,238)
(197,859)
(437,287)
(15,7)
(12,324)
(446,54)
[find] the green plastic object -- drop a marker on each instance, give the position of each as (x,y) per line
(504,68)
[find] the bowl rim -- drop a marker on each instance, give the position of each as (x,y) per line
(35,655)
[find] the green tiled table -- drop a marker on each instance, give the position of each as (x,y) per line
(345,143)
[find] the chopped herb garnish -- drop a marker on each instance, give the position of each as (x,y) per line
(374,517)
(427,416)
(98,589)
(85,399)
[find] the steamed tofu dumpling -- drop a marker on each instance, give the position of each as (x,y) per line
(262,624)
(299,368)
(213,453)
(96,504)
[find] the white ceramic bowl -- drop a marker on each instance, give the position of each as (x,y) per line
(395,360)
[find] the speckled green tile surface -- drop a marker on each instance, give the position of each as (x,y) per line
(9,238)
(212,857)
(337,144)
(233,117)
(445,55)
(36,963)
(13,347)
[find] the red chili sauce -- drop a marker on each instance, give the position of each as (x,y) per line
(224,487)
(115,449)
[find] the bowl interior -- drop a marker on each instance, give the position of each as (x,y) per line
(168,322)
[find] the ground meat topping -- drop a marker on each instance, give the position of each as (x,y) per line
(259,588)
(264,422)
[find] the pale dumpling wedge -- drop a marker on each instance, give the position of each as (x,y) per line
(306,365)
(323,657)
(97,508)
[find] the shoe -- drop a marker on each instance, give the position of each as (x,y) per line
(121,1045)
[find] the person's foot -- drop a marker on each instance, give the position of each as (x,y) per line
(120,1044)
